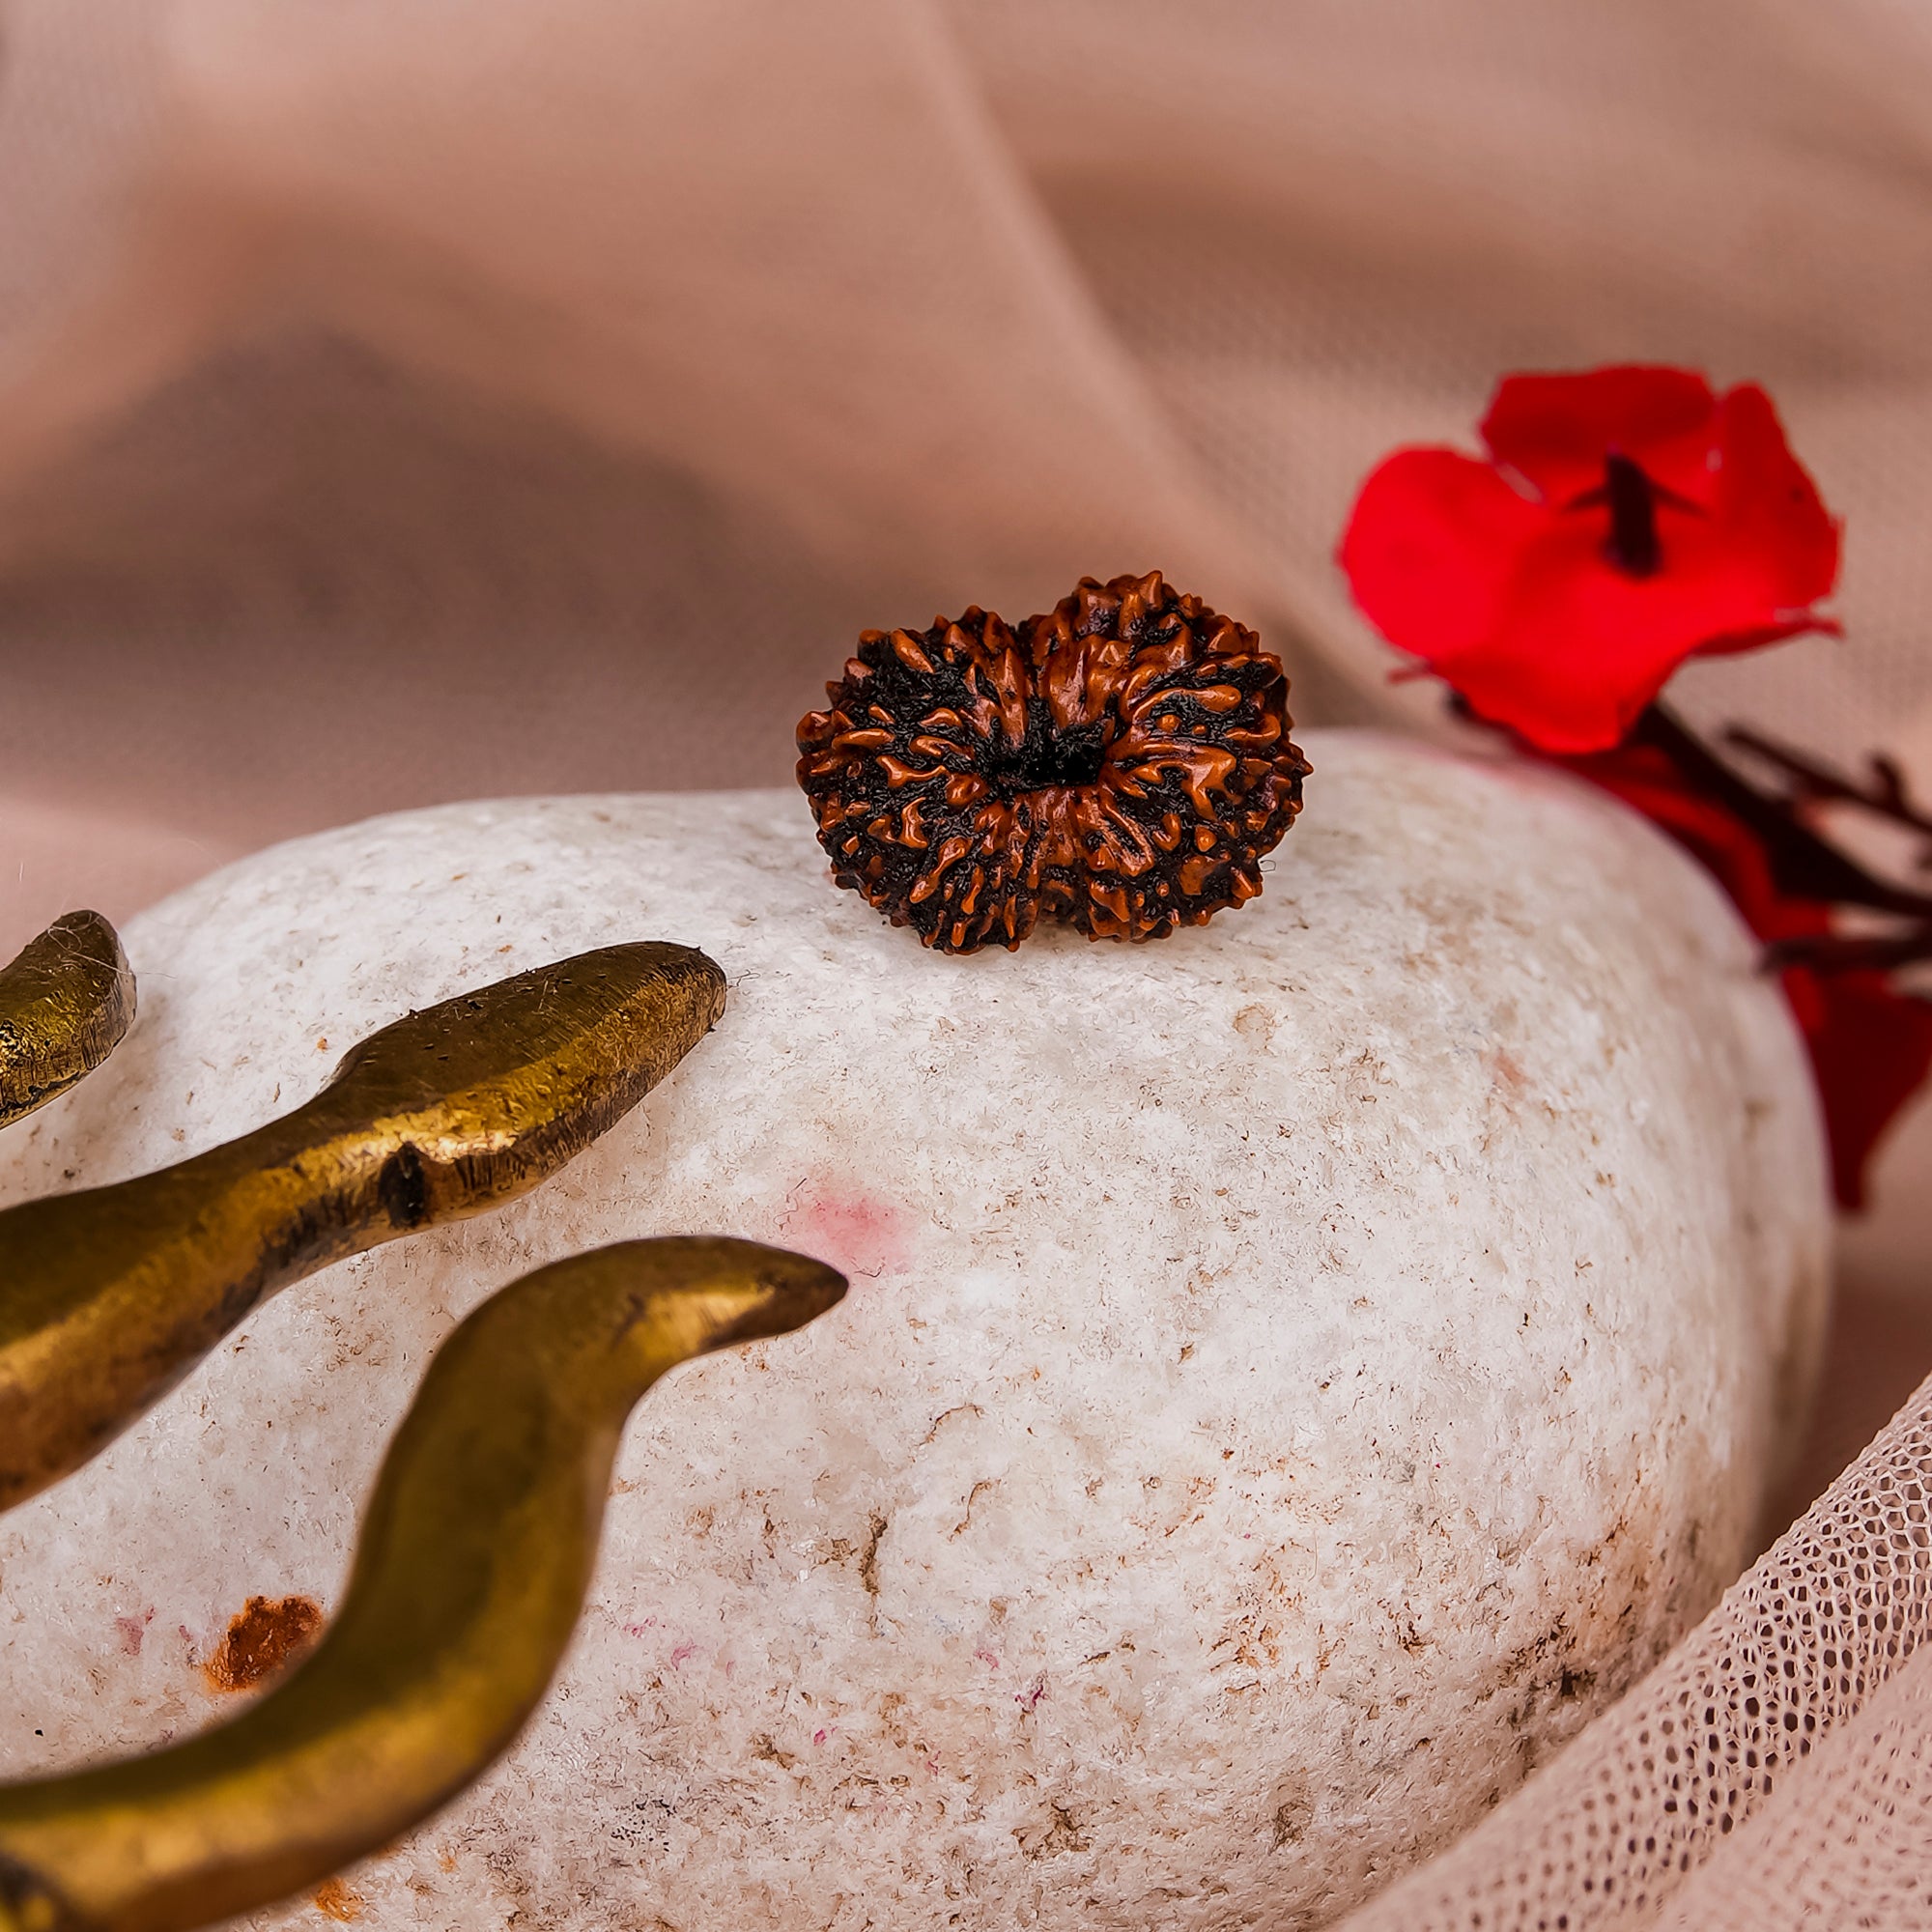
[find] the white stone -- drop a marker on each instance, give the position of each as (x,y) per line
(1294,1372)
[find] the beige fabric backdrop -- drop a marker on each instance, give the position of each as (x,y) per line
(409,401)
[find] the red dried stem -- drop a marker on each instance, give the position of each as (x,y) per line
(1804,863)
(1885,794)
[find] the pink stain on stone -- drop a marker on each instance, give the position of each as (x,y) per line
(682,1653)
(132,1630)
(1029,1699)
(857,1233)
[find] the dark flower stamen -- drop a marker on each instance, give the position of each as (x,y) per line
(1632,544)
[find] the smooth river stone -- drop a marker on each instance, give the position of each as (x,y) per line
(1295,1373)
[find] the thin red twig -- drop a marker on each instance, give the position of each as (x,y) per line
(1804,863)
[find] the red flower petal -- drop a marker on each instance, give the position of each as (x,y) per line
(1578,648)
(1767,510)
(1516,601)
(1432,547)
(1555,430)
(1872,1049)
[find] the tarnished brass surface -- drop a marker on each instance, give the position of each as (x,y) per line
(109,1297)
(65,1003)
(474,1558)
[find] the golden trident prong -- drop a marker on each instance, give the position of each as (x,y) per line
(110,1296)
(65,1003)
(474,1555)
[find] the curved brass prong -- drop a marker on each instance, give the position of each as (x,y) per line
(65,1003)
(474,1556)
(109,1297)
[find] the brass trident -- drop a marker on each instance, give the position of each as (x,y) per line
(478,1542)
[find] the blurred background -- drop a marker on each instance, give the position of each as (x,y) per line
(400,404)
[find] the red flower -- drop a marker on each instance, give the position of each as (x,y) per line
(1625,519)
(1870,1046)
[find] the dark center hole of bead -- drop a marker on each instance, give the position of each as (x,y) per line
(1046,755)
(1632,545)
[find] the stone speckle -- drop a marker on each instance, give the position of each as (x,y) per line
(262,1638)
(1295,1373)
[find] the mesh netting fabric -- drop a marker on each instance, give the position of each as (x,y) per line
(1847,1848)
(407,403)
